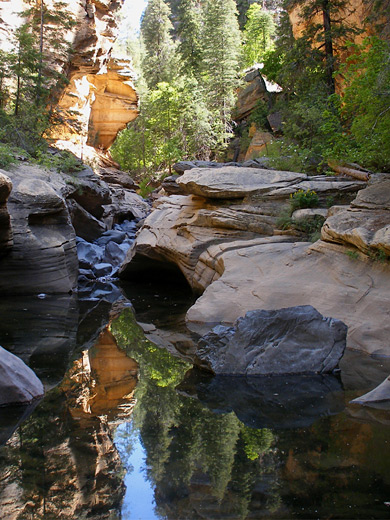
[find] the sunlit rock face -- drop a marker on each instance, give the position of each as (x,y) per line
(353,14)
(100,92)
(104,103)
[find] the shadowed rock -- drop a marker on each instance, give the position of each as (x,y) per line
(279,402)
(5,221)
(43,256)
(18,383)
(295,340)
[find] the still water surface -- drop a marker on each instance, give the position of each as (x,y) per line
(129,431)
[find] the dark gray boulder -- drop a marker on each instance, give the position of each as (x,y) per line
(102,269)
(86,225)
(88,254)
(18,383)
(294,340)
(112,235)
(115,253)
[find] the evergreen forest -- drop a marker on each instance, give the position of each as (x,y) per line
(191,57)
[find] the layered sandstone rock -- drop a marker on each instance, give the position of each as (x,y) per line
(47,209)
(230,249)
(43,256)
(100,98)
(364,225)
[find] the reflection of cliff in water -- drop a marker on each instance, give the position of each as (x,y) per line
(62,462)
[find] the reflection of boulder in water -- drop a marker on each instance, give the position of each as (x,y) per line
(11,417)
(268,402)
(41,331)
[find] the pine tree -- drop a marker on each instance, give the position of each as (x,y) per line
(325,30)
(49,27)
(221,43)
(159,60)
(258,33)
(189,33)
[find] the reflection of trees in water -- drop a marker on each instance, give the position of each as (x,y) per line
(196,459)
(62,462)
(59,467)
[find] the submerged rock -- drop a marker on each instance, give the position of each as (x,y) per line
(18,383)
(377,398)
(295,340)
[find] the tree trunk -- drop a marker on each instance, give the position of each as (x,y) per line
(40,65)
(329,57)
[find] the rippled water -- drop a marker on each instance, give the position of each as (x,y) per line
(128,430)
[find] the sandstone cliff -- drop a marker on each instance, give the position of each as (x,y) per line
(100,98)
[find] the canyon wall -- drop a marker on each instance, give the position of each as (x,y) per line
(100,98)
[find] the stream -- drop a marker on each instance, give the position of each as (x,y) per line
(129,430)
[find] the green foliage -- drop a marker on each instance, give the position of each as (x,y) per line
(257,35)
(352,254)
(310,226)
(6,156)
(379,255)
(284,221)
(61,161)
(145,188)
(187,116)
(256,442)
(221,40)
(190,36)
(366,106)
(303,199)
(30,81)
(289,156)
(159,61)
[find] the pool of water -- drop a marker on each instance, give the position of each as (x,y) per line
(129,431)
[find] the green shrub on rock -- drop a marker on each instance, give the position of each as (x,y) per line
(303,199)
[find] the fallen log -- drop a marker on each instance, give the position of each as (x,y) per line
(361,175)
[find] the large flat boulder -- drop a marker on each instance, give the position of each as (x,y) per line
(18,383)
(294,340)
(233,182)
